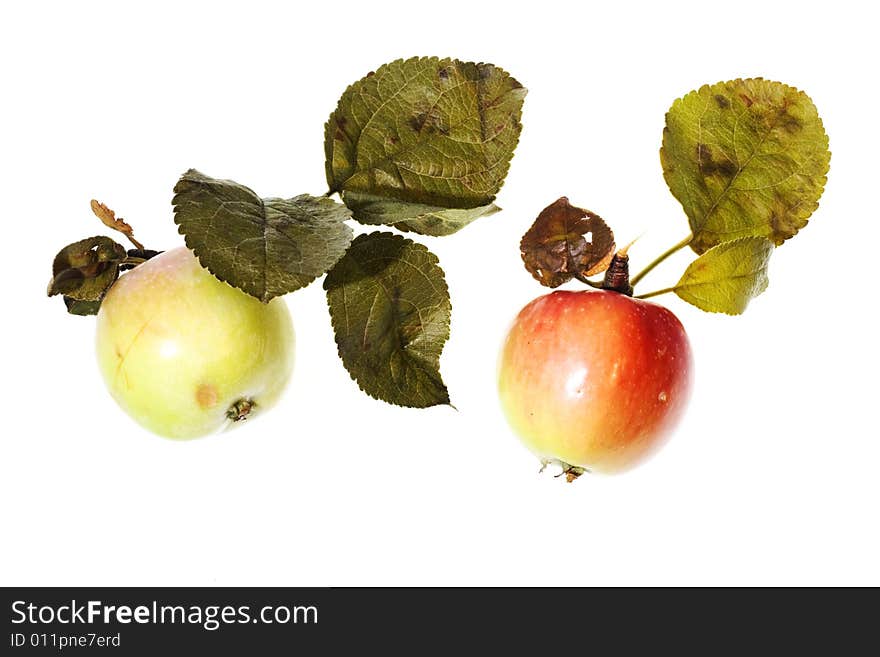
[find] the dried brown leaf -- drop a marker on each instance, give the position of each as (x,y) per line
(566,242)
(109,219)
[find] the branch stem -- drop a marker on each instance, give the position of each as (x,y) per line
(655,293)
(675,249)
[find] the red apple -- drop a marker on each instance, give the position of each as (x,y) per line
(594,380)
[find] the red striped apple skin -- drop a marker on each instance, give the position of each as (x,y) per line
(594,379)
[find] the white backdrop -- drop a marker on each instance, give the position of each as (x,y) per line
(772,478)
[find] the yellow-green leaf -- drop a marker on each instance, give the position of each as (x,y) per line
(726,277)
(390,310)
(745,158)
(424,132)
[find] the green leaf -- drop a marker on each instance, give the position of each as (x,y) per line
(566,241)
(745,158)
(84,308)
(390,310)
(84,270)
(426,135)
(266,247)
(726,277)
(413,217)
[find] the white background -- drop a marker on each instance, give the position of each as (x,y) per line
(772,478)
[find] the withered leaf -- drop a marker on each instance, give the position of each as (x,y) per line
(109,219)
(566,241)
(82,308)
(85,270)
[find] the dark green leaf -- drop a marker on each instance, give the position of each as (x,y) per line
(76,307)
(726,277)
(425,135)
(413,217)
(745,158)
(84,270)
(390,309)
(564,242)
(266,247)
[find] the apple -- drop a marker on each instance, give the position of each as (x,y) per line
(186,354)
(594,380)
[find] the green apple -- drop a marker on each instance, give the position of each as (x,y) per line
(185,354)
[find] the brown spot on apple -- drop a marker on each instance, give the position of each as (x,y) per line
(206,395)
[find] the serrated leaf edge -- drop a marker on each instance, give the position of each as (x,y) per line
(265,298)
(824,178)
(446,325)
(405,61)
(726,244)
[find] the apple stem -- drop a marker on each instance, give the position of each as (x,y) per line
(675,249)
(617,275)
(137,257)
